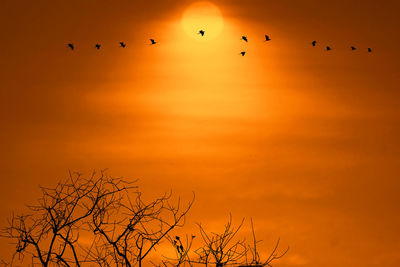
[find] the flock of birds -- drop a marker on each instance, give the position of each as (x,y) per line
(202,33)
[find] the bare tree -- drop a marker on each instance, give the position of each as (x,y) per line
(127,229)
(181,249)
(221,248)
(49,232)
(255,256)
(105,221)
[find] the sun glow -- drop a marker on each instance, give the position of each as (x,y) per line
(202,16)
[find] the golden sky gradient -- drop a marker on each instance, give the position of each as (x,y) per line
(304,141)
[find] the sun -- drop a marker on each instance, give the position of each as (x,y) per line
(202,16)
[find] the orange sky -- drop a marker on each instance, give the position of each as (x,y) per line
(302,140)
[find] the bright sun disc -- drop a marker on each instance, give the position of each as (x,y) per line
(202,16)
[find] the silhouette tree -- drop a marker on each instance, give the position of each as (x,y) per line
(221,249)
(123,228)
(127,229)
(255,256)
(182,248)
(105,221)
(49,233)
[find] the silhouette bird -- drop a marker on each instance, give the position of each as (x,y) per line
(369,50)
(314,43)
(243,53)
(267,38)
(244,38)
(181,248)
(177,237)
(71,46)
(97,46)
(122,44)
(153,42)
(328,48)
(201,32)
(353,48)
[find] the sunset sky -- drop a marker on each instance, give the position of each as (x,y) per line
(304,141)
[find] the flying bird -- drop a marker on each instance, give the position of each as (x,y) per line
(243,53)
(201,32)
(122,44)
(328,48)
(152,42)
(353,48)
(71,46)
(97,46)
(369,50)
(267,38)
(244,38)
(314,43)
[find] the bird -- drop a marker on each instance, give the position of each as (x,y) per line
(244,38)
(369,50)
(328,48)
(267,38)
(353,48)
(314,43)
(181,248)
(201,32)
(71,46)
(177,237)
(243,53)
(152,42)
(97,46)
(122,44)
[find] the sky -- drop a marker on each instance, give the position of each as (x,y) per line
(302,140)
